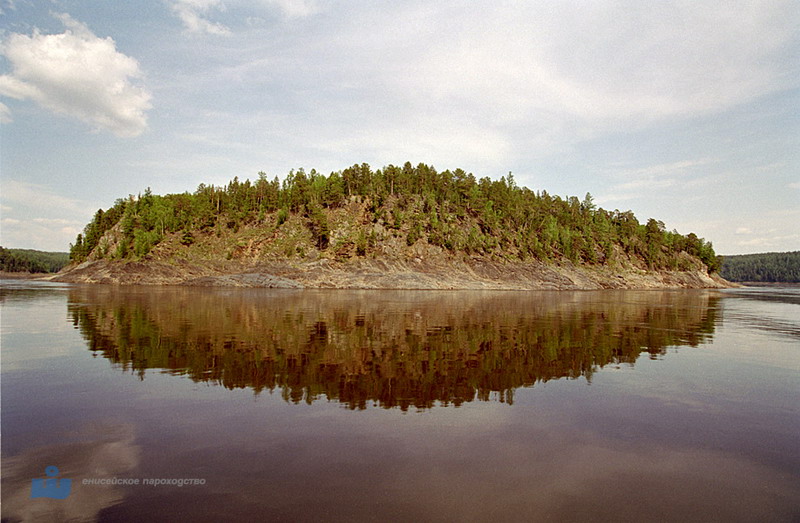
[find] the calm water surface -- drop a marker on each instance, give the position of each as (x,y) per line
(400,405)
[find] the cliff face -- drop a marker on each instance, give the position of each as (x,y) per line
(437,271)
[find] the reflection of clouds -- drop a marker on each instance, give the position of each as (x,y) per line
(27,342)
(101,450)
(557,478)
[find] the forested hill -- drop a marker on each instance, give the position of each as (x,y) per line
(360,212)
(29,260)
(769,267)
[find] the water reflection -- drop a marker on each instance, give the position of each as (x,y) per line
(388,348)
(97,450)
(22,290)
(772,310)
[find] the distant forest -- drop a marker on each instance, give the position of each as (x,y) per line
(28,260)
(769,267)
(450,209)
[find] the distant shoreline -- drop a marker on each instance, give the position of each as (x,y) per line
(5,275)
(767,284)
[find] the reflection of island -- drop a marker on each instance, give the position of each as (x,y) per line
(391,348)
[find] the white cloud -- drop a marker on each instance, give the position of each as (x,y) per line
(56,221)
(40,218)
(773,231)
(558,73)
(794,185)
(78,74)
(40,196)
(5,114)
(632,182)
(535,78)
(193,14)
(773,241)
(661,170)
(294,8)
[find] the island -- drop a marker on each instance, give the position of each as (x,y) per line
(399,227)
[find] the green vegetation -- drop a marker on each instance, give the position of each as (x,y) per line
(29,260)
(450,209)
(783,267)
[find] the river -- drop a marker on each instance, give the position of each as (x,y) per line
(187,404)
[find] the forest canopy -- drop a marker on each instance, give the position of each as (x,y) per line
(450,209)
(768,267)
(29,260)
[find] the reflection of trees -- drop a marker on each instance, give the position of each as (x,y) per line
(392,348)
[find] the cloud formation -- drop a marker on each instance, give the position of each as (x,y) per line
(79,74)
(604,64)
(34,216)
(539,79)
(40,196)
(193,14)
(294,8)
(5,114)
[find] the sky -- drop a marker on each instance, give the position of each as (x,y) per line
(683,111)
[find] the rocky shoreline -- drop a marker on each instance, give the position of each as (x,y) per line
(467,274)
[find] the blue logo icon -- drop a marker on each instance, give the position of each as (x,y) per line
(51,487)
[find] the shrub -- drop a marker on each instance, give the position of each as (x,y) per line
(283,215)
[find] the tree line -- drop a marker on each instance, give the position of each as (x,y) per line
(769,267)
(451,209)
(29,260)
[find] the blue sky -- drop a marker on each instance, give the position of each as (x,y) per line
(688,112)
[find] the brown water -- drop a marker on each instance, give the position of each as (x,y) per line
(396,405)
